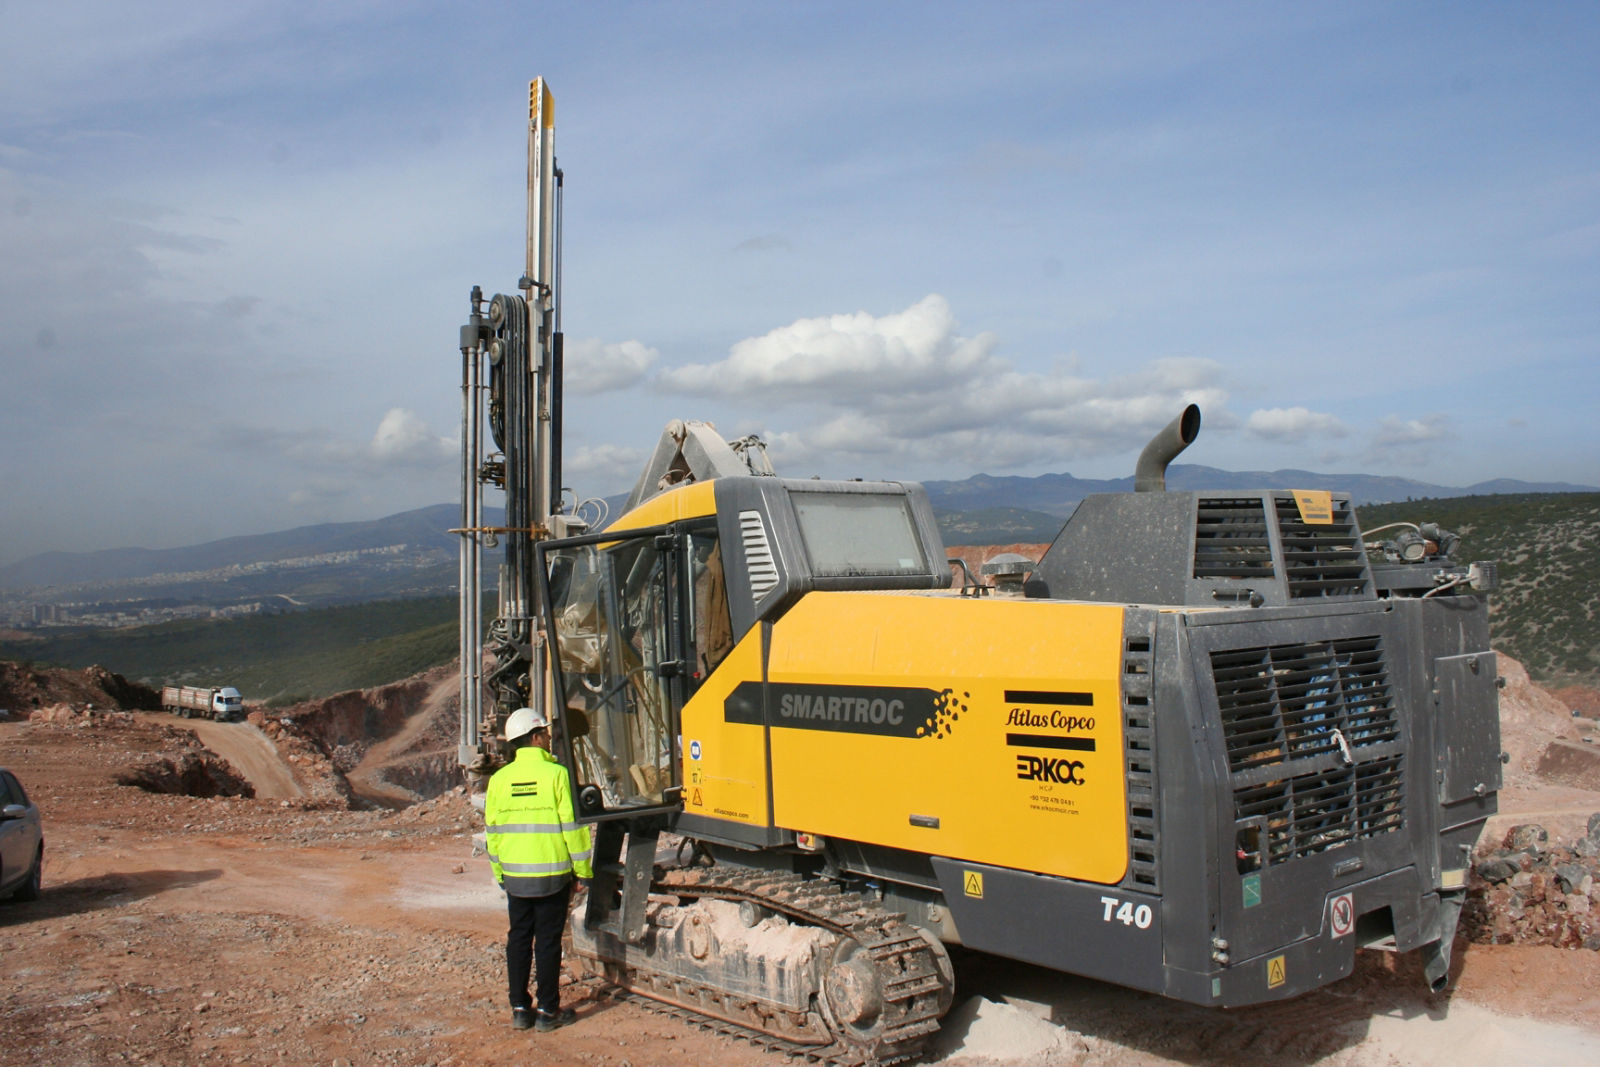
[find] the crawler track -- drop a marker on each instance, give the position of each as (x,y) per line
(908,970)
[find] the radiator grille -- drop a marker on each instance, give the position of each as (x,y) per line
(1313,742)
(1230,539)
(1322,560)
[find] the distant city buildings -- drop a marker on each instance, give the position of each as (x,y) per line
(206,594)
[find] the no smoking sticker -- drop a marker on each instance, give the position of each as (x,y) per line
(1342,915)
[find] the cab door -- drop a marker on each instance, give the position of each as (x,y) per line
(619,662)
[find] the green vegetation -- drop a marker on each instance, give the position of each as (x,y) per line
(277,658)
(1548,548)
(998,526)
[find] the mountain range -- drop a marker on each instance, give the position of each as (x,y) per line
(1059,494)
(414,552)
(425,528)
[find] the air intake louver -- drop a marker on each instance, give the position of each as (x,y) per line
(1321,560)
(1230,539)
(1144,792)
(1313,742)
(757,554)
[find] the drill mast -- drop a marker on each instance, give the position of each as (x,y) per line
(511,352)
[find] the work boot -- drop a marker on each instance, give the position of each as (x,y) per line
(521,1018)
(553,1020)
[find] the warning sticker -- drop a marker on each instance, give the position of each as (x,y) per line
(695,801)
(1342,915)
(972,883)
(1316,506)
(1277,972)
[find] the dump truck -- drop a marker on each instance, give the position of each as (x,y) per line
(220,702)
(1214,743)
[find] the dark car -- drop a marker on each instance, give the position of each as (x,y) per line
(21,841)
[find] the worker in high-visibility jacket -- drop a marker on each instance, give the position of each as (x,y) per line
(536,848)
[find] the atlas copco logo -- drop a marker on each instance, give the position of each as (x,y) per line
(1050,769)
(1058,770)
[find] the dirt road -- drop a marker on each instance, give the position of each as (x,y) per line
(366,778)
(250,751)
(178,930)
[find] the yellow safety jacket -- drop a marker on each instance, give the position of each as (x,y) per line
(535,843)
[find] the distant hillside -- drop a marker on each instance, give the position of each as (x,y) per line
(998,526)
(404,556)
(413,554)
(1547,613)
(283,658)
(1059,494)
(425,528)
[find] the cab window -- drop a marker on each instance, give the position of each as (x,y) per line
(710,625)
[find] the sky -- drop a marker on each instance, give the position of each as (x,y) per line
(898,240)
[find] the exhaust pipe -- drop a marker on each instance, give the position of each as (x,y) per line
(1150,476)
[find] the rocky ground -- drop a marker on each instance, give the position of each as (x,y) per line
(199,909)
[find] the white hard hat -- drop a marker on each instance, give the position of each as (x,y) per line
(525,721)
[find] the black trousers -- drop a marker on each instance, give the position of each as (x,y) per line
(533,944)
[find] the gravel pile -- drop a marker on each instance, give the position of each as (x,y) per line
(1530,892)
(192,774)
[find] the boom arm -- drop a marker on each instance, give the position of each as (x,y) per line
(693,451)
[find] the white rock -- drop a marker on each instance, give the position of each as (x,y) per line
(984,1031)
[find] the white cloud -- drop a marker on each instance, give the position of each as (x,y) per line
(915,350)
(1293,424)
(601,465)
(1394,430)
(592,366)
(1408,442)
(905,391)
(402,436)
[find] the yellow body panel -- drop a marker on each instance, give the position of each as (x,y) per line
(692,501)
(725,763)
(1020,762)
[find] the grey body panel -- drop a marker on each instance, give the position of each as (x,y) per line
(1469,758)
(778,552)
(1225,936)
(1056,923)
(1204,549)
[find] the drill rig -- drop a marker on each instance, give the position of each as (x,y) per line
(1208,749)
(511,352)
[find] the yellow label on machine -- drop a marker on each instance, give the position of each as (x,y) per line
(1316,506)
(972,883)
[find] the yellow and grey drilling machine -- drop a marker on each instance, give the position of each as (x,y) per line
(1211,746)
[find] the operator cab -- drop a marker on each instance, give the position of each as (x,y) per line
(645,611)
